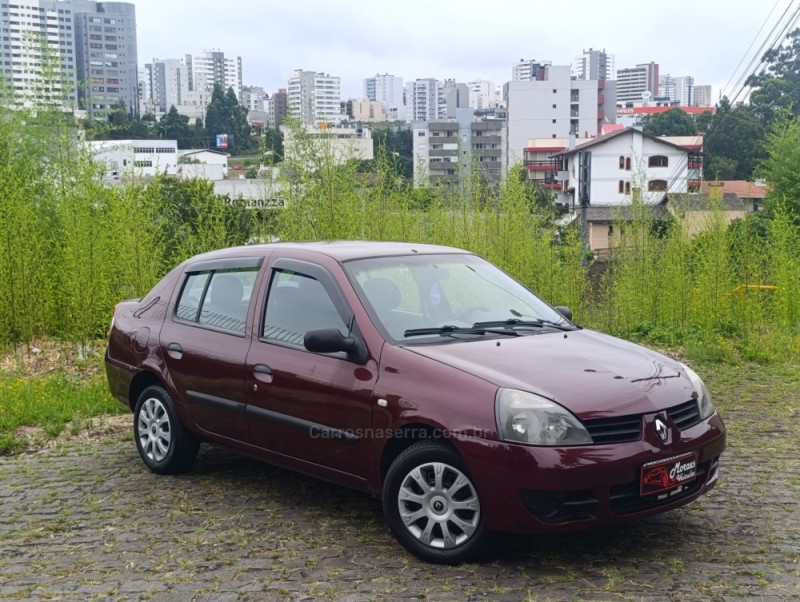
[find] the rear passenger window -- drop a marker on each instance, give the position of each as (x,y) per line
(218,299)
(192,293)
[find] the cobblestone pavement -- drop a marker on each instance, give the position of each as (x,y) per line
(88,521)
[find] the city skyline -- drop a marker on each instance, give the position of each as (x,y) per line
(454,40)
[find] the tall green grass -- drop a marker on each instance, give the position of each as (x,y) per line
(71,248)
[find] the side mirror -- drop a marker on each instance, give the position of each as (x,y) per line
(327,340)
(330,340)
(564,311)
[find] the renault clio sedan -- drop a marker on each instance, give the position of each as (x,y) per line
(421,374)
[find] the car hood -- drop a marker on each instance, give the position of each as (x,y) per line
(592,374)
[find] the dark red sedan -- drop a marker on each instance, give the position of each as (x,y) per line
(420,373)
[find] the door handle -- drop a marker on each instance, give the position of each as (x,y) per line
(263,374)
(175,347)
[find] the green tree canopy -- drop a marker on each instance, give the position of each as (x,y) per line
(734,143)
(174,126)
(781,168)
(675,122)
(778,86)
(225,115)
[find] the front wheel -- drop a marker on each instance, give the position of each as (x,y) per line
(432,505)
(164,445)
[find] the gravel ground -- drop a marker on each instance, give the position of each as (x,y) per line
(85,520)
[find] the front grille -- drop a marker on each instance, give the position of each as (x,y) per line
(685,415)
(615,430)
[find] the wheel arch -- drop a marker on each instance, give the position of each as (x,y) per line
(139,383)
(404,437)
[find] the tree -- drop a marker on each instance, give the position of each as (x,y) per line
(398,142)
(174,126)
(225,115)
(675,122)
(778,86)
(737,135)
(781,168)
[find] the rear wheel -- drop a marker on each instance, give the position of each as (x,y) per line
(432,505)
(164,445)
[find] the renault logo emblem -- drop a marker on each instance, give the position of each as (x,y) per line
(661,429)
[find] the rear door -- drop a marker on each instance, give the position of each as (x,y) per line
(205,342)
(316,408)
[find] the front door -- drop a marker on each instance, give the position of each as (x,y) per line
(313,407)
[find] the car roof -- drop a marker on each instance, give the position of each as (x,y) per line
(343,250)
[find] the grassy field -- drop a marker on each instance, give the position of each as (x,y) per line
(50,390)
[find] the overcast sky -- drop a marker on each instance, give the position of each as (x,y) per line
(464,39)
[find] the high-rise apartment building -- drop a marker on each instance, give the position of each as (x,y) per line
(556,106)
(680,90)
(527,70)
(387,89)
(314,98)
(425,100)
(254,98)
(277,109)
(594,64)
(637,83)
(213,67)
(167,82)
(702,96)
(481,94)
(93,47)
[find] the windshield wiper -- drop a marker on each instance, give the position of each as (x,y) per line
(449,329)
(513,323)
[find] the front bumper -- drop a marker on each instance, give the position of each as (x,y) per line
(525,489)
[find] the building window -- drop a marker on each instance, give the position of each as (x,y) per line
(622,162)
(627,187)
(627,163)
(555,91)
(658,161)
(657,186)
(621,187)
(555,106)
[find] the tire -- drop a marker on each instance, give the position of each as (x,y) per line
(431,504)
(165,446)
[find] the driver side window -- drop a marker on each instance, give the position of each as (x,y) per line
(297,303)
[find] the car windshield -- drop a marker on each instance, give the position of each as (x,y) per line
(447,295)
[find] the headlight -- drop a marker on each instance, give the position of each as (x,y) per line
(703,396)
(527,418)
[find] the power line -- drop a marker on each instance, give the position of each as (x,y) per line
(744,56)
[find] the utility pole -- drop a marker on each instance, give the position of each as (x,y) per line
(584,194)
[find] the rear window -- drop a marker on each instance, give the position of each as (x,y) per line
(218,298)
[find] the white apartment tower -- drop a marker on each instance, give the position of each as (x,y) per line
(594,64)
(213,67)
(314,98)
(425,100)
(678,89)
(634,83)
(254,98)
(387,89)
(92,43)
(528,70)
(167,82)
(481,94)
(556,106)
(702,96)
